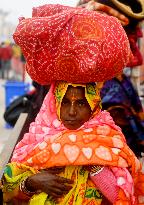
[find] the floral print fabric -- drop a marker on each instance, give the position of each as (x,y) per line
(72,44)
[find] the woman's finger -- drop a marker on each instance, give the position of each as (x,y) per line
(57,191)
(53,195)
(62,187)
(64,180)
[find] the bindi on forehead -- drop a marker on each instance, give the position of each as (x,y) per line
(76,93)
(74,98)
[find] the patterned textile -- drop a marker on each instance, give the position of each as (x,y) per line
(113,92)
(133,36)
(72,44)
(99,141)
(13,176)
(83,191)
(133,33)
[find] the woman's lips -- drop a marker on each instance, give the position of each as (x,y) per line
(70,121)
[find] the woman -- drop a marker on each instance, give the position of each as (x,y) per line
(71,137)
(82,126)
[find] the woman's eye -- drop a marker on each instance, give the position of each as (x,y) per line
(65,102)
(81,103)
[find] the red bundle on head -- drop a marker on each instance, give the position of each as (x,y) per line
(72,44)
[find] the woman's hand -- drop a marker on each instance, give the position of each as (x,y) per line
(48,182)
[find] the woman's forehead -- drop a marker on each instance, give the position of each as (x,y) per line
(78,92)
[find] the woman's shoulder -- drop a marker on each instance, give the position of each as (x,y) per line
(105,118)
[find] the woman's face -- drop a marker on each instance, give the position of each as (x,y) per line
(75,110)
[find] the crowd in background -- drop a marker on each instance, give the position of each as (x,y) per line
(11,62)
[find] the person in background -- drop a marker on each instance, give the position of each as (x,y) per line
(120,98)
(16,64)
(73,153)
(5,56)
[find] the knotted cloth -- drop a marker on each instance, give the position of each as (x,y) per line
(72,44)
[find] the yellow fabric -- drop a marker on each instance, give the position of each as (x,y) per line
(39,199)
(92,94)
(14,174)
(76,195)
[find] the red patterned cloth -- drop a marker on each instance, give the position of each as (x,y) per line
(133,33)
(72,44)
(133,37)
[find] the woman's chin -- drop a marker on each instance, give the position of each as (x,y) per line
(72,126)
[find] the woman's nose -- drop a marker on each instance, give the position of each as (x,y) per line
(72,110)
